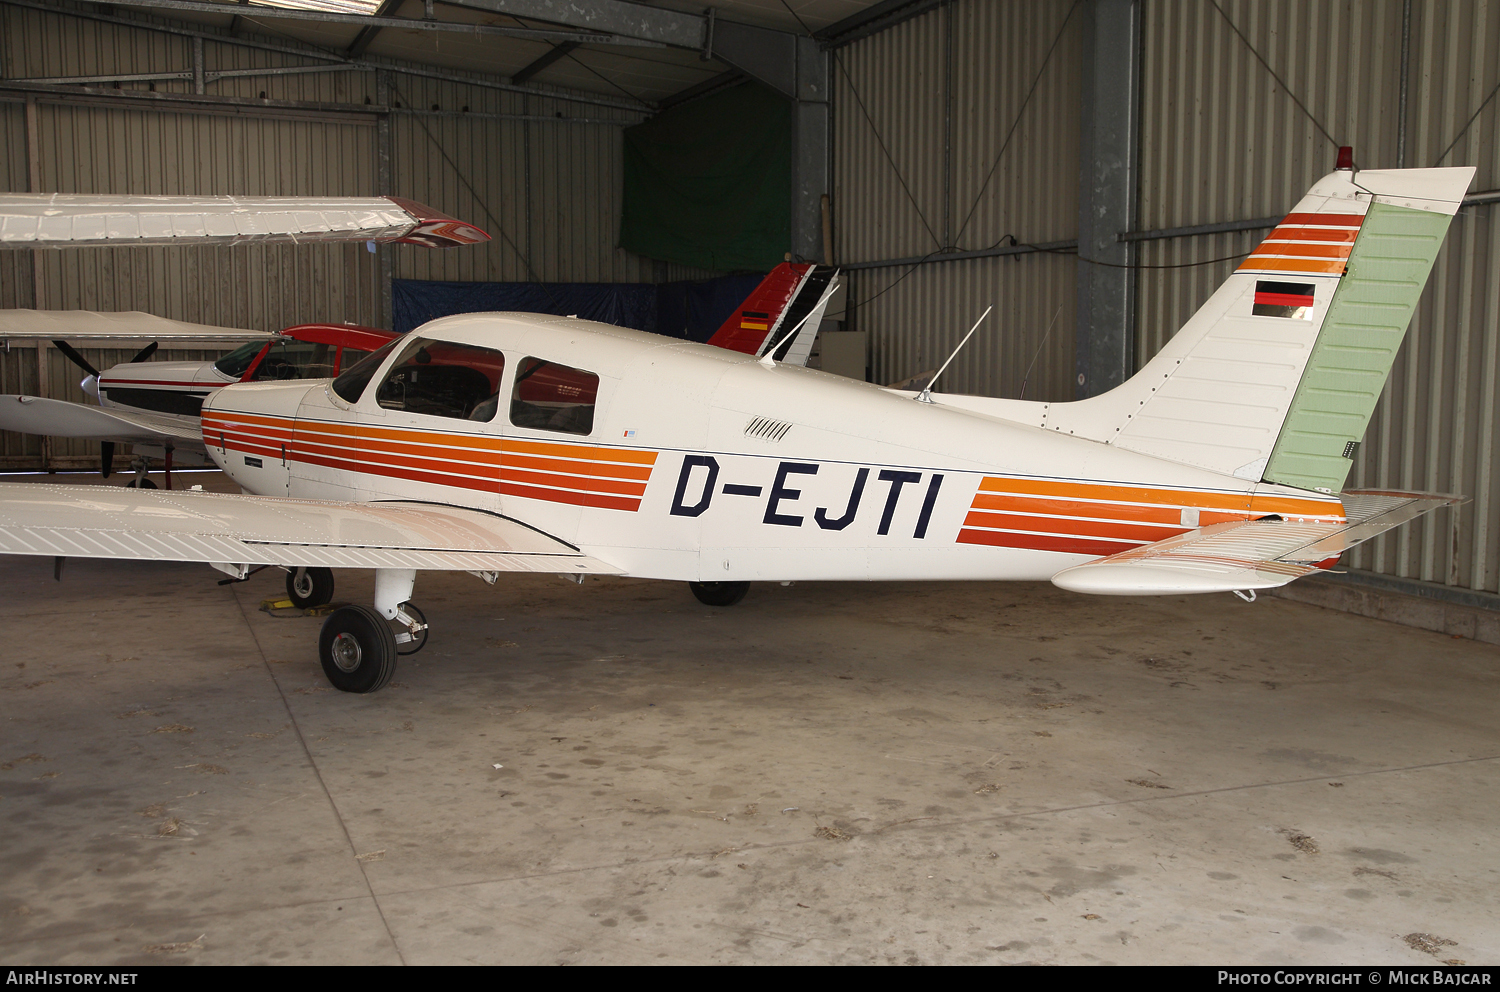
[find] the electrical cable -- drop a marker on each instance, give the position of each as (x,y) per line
(1279,80)
(478,199)
(1437,161)
(1017,122)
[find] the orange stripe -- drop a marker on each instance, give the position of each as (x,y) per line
(1301,250)
(582,451)
(1311,234)
(1336,220)
(1291,265)
(1072,528)
(1109,511)
(1116,494)
(371,461)
(1043,542)
(591,468)
(576,499)
(486,456)
(410,475)
(576,482)
(364,431)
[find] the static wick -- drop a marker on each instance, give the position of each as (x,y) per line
(926,395)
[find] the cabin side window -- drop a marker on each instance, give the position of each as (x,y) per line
(552,397)
(443,379)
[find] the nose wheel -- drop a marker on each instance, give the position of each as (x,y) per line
(309,587)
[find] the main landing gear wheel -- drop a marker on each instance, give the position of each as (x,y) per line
(357,649)
(141,484)
(309,587)
(719,593)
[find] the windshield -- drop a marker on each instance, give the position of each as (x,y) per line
(237,361)
(351,384)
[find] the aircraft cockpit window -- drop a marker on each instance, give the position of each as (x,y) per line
(553,397)
(295,360)
(443,379)
(237,361)
(351,383)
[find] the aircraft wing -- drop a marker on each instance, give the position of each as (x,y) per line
(60,418)
(70,220)
(1249,554)
(87,325)
(239,531)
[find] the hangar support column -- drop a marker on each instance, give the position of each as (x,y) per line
(1107,193)
(795,66)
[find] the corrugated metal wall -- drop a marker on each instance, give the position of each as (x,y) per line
(1222,141)
(921,113)
(548,191)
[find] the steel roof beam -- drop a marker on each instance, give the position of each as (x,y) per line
(626,20)
(407,23)
(558,52)
(367,33)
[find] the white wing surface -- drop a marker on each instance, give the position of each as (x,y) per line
(69,220)
(1250,554)
(106,522)
(130,325)
(59,418)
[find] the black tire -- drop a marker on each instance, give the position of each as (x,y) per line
(719,593)
(357,649)
(413,646)
(141,484)
(315,588)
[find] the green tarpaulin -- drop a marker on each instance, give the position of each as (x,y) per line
(709,183)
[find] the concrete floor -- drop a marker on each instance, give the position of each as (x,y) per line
(827,773)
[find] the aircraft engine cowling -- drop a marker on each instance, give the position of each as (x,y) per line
(247,429)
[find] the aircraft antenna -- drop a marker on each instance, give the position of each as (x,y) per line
(926,395)
(769,358)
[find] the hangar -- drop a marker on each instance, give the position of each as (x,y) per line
(830,771)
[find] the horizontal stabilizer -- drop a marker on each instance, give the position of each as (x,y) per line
(106,522)
(1250,554)
(72,220)
(59,418)
(130,325)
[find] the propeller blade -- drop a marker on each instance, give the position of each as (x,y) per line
(144,353)
(106,457)
(76,358)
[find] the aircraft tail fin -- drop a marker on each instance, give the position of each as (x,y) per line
(1274,379)
(783,298)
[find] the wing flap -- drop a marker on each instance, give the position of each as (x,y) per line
(106,522)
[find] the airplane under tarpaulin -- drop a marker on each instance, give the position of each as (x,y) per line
(1218,467)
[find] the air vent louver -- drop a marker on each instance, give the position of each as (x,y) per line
(767,429)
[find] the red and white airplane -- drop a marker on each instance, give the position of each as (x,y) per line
(489,443)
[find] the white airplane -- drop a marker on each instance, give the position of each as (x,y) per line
(166,392)
(512,442)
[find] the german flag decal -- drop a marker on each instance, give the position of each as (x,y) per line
(1283,299)
(750,320)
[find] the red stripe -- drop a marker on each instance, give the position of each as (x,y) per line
(1044,542)
(577,499)
(410,475)
(1332,220)
(1284,299)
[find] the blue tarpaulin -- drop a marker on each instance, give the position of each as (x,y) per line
(691,310)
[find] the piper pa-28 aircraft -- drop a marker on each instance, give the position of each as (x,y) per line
(514,442)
